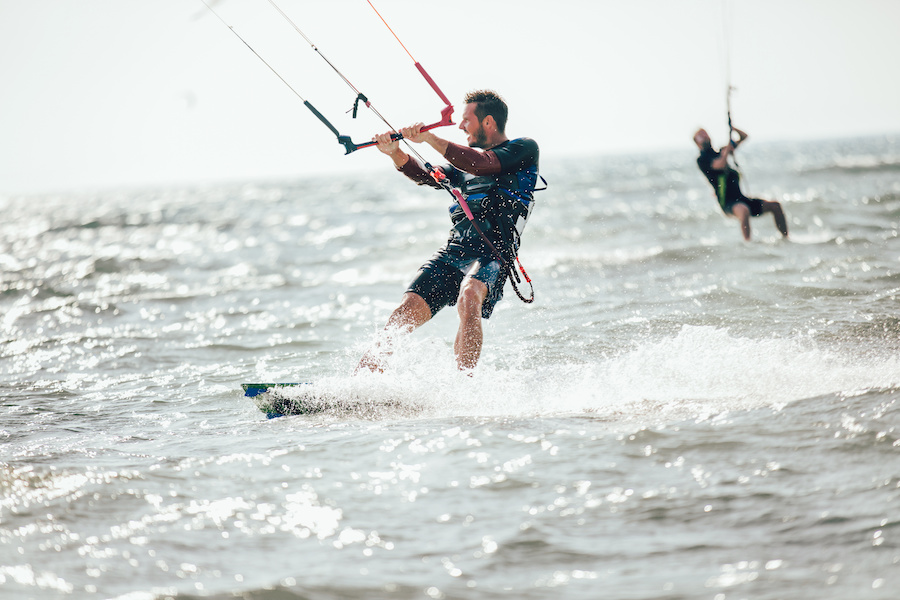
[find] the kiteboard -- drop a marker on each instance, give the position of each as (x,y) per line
(282,399)
(279,405)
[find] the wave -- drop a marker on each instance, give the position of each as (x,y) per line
(857,165)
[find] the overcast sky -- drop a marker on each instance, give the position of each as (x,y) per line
(104,93)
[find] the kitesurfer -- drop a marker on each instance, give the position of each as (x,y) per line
(725,180)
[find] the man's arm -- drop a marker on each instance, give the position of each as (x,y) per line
(464,158)
(741,137)
(387,145)
(415,134)
(721,161)
(403,162)
(470,160)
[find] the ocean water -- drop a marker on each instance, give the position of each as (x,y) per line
(679,415)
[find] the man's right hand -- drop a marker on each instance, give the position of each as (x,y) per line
(387,145)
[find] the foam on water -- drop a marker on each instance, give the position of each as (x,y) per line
(699,372)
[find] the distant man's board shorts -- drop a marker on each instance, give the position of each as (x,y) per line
(754,204)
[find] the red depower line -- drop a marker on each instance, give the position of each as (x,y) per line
(447,111)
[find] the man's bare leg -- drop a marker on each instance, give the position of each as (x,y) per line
(412,313)
(469,337)
(742,213)
(777,212)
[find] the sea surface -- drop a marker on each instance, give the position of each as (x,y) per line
(679,415)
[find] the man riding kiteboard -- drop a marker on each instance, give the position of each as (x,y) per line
(497,177)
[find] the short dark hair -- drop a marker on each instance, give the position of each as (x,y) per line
(489,102)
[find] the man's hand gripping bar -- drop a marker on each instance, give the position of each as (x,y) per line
(446,119)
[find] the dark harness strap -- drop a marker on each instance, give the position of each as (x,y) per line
(514,279)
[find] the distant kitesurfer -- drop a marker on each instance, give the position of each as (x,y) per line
(497,177)
(726,183)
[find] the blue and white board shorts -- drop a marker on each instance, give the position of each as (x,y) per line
(438,281)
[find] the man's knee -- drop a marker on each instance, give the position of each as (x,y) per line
(740,210)
(471,296)
(412,312)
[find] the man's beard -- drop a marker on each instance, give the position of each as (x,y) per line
(480,140)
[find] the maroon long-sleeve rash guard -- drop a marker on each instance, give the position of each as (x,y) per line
(466,159)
